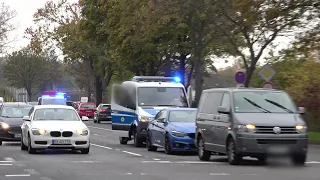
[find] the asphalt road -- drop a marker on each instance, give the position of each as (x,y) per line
(108,160)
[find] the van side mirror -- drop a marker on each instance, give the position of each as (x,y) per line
(223,110)
(162,120)
(302,110)
(26,118)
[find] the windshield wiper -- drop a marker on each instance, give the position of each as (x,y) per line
(256,105)
(279,105)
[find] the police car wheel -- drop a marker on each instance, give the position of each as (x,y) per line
(137,141)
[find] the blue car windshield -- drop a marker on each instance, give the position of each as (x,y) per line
(162,96)
(183,116)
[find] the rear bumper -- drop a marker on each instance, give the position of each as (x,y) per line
(88,114)
(104,117)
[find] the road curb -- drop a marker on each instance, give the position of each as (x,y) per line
(314,144)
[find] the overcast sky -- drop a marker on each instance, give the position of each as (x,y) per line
(26,8)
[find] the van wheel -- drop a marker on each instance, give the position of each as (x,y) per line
(203,154)
(233,157)
(0,142)
(299,159)
(137,141)
(262,159)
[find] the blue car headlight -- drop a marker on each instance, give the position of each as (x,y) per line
(178,134)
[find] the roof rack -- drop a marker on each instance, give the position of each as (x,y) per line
(155,79)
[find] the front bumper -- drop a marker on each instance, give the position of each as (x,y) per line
(46,142)
(182,143)
(249,144)
(11,134)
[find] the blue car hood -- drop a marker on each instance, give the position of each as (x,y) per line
(186,127)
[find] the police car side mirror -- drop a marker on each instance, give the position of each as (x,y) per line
(302,110)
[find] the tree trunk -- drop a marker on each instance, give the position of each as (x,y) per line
(106,84)
(29,92)
(190,75)
(88,91)
(199,71)
(183,68)
(249,73)
(98,84)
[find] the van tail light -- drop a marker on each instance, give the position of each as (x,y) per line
(102,110)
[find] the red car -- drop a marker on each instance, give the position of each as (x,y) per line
(86,109)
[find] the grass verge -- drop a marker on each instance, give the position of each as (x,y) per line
(314,137)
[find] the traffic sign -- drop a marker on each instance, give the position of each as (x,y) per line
(268,85)
(267,72)
(240,77)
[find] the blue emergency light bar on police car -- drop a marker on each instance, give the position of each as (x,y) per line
(156,79)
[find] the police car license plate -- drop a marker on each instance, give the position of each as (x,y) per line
(17,135)
(61,141)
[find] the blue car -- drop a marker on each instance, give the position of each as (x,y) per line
(173,129)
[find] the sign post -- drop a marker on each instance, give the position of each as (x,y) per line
(267,73)
(240,78)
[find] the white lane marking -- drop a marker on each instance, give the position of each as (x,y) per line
(313,162)
(142,174)
(17,175)
(100,128)
(182,162)
(31,171)
(5,161)
(6,164)
(249,174)
(128,173)
(83,162)
(99,135)
(9,159)
(117,149)
(131,153)
(156,159)
(105,147)
(45,178)
(219,174)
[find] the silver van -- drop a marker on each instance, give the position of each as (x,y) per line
(240,122)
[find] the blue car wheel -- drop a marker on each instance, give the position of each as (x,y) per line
(167,145)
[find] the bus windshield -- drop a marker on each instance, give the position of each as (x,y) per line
(162,96)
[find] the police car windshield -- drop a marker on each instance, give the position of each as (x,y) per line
(162,96)
(56,114)
(263,102)
(53,101)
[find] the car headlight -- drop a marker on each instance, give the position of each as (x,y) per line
(249,128)
(145,118)
(83,132)
(178,133)
(4,125)
(301,128)
(38,131)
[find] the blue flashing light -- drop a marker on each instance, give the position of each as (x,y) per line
(177,79)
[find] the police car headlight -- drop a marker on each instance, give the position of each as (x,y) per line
(145,118)
(83,132)
(38,131)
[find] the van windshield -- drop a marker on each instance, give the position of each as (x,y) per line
(263,102)
(162,96)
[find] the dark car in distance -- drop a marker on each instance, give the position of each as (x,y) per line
(103,113)
(11,120)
